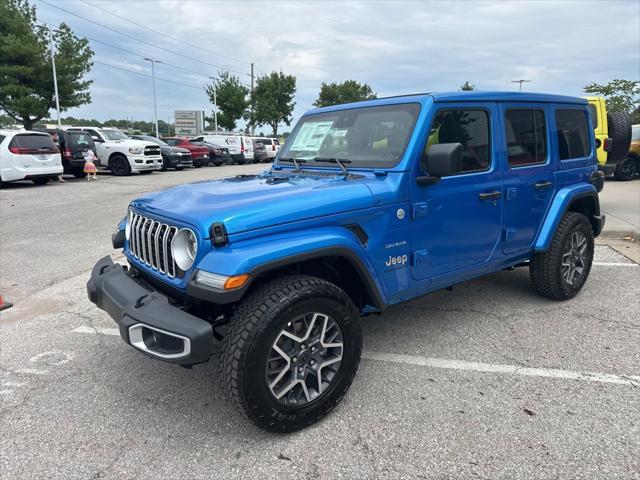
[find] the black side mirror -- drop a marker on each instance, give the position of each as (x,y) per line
(442,160)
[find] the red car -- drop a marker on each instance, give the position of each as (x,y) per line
(199,153)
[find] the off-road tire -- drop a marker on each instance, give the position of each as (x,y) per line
(255,325)
(545,268)
(620,133)
(79,173)
(626,169)
(164,166)
(40,180)
(119,166)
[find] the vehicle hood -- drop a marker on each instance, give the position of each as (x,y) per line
(171,150)
(133,143)
(251,202)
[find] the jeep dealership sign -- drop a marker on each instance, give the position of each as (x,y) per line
(189,122)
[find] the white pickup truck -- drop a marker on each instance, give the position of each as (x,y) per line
(121,154)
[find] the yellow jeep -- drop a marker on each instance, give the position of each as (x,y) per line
(613,137)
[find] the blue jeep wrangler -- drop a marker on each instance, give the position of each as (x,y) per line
(367,205)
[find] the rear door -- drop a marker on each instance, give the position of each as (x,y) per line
(529,180)
(35,150)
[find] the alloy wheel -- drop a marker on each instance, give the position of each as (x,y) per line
(304,359)
(574,258)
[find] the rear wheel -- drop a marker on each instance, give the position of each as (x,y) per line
(79,173)
(41,180)
(561,271)
(291,352)
(626,170)
(119,166)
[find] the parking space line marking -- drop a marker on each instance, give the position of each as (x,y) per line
(32,371)
(94,331)
(615,264)
(507,369)
(12,384)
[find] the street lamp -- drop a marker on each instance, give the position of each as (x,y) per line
(153,79)
(520,82)
(55,77)
(215,104)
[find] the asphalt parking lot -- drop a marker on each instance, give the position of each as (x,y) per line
(485,381)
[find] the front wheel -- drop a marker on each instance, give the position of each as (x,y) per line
(40,180)
(561,271)
(291,352)
(119,166)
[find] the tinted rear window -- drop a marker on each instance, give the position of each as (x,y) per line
(80,139)
(573,134)
(264,141)
(32,140)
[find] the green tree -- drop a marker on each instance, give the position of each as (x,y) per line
(468,87)
(345,92)
(272,100)
(231,96)
(621,95)
(26,80)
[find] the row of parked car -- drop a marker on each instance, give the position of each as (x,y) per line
(41,156)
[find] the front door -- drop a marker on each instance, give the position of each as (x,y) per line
(529,181)
(457,222)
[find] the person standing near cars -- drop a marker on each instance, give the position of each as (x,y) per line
(56,140)
(89,165)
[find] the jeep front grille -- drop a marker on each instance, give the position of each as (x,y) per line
(150,242)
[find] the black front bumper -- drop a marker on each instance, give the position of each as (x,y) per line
(147,320)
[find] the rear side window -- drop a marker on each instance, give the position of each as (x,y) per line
(468,127)
(594,115)
(277,142)
(33,141)
(526,137)
(573,134)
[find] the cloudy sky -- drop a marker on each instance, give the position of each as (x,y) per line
(397,47)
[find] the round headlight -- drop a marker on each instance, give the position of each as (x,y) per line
(127,225)
(183,248)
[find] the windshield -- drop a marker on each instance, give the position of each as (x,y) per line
(114,135)
(366,137)
(149,138)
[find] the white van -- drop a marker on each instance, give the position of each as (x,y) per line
(240,147)
(28,155)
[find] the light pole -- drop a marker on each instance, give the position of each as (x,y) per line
(520,82)
(55,77)
(155,106)
(215,104)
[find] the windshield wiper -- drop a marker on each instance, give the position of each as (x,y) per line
(339,161)
(295,161)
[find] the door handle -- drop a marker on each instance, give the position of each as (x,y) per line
(543,184)
(490,195)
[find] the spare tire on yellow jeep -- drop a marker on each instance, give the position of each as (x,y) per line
(620,133)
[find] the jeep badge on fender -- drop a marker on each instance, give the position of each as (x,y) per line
(274,270)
